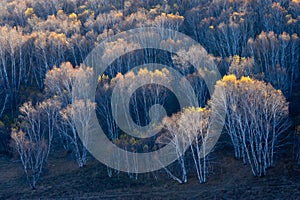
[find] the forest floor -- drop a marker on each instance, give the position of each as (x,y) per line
(230,179)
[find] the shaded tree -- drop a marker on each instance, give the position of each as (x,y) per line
(32,154)
(277,57)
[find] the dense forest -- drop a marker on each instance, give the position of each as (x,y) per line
(254,45)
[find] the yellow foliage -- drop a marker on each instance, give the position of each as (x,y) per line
(60,12)
(229,78)
(211,27)
(118,77)
(175,5)
(237,59)
(158,73)
(103,77)
(199,109)
(73,16)
(129,76)
(246,79)
(165,71)
(58,37)
(143,71)
(177,16)
(119,14)
(29,12)
(194,109)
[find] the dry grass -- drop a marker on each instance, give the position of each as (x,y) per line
(230,180)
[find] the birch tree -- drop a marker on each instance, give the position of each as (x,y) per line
(277,57)
(32,153)
(4,98)
(31,142)
(59,83)
(173,136)
(194,124)
(13,68)
(50,114)
(257,116)
(78,116)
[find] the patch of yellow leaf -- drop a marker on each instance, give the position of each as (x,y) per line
(29,12)
(246,79)
(229,78)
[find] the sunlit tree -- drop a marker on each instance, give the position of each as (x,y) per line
(194,124)
(257,116)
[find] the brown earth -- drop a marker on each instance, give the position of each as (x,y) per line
(230,179)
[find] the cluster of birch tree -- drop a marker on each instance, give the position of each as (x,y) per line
(255,45)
